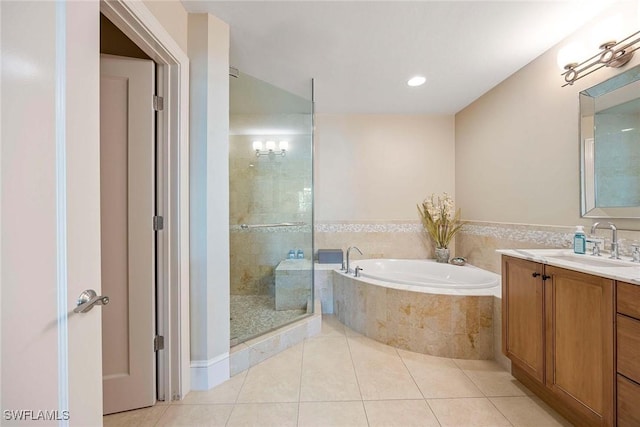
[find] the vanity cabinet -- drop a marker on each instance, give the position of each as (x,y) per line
(558,331)
(523,315)
(628,354)
(579,343)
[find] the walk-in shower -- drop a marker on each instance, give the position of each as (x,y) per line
(271,206)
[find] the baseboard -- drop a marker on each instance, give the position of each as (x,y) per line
(206,374)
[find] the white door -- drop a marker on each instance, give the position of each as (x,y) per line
(127,200)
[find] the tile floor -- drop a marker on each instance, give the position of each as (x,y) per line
(341,378)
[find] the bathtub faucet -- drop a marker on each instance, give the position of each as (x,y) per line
(348,252)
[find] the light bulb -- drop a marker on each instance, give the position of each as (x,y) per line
(283,145)
(416,81)
(257,145)
(574,52)
(271,145)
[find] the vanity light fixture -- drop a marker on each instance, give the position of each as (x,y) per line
(612,54)
(416,81)
(269,148)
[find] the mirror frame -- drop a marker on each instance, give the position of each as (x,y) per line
(587,98)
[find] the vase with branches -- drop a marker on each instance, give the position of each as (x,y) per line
(441,222)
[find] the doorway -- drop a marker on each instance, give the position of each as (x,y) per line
(129,222)
(172,244)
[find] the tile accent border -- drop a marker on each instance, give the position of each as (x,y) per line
(273,229)
(556,236)
(552,236)
(368,227)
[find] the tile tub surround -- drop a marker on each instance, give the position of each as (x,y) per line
(377,239)
(438,325)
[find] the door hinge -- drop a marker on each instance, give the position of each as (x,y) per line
(158,223)
(158,343)
(158,103)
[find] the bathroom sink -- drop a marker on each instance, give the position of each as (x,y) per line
(592,261)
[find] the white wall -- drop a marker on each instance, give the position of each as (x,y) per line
(209,196)
(378,167)
(517,145)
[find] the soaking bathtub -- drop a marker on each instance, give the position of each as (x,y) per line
(420,305)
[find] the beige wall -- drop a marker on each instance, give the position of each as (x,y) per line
(378,167)
(370,172)
(517,165)
(517,146)
(173,17)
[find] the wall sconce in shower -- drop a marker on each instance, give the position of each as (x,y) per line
(612,54)
(269,148)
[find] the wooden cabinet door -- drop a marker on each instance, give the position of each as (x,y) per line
(628,403)
(522,315)
(579,343)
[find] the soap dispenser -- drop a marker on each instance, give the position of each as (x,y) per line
(579,240)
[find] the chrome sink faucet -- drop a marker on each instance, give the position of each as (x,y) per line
(614,238)
(348,252)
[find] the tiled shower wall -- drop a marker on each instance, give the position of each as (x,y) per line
(267,190)
(255,254)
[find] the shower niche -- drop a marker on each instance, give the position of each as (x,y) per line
(271,206)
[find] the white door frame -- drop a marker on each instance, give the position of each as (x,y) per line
(141,26)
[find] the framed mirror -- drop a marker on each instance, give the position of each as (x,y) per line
(610,147)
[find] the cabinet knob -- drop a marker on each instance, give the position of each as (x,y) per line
(545,277)
(536,274)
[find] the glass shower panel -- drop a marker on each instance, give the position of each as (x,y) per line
(271,206)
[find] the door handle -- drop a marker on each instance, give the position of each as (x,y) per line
(88,299)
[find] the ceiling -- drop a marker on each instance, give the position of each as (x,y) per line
(361,53)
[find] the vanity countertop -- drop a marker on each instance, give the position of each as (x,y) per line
(603,266)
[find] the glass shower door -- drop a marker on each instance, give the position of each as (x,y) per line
(271,207)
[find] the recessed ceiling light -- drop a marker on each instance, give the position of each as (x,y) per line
(416,81)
